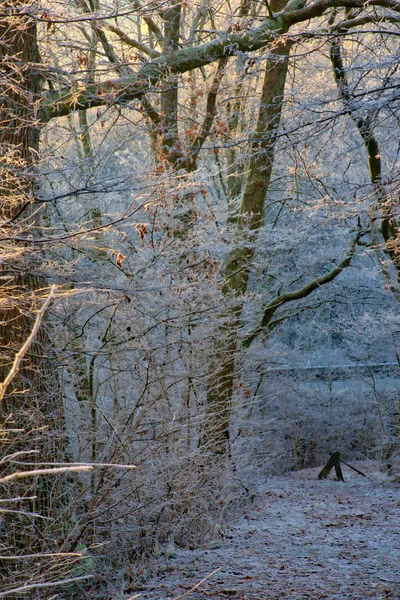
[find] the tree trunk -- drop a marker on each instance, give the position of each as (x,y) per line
(171,151)
(237,266)
(31,413)
(19,144)
(383,224)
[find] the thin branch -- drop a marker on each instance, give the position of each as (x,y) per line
(299,294)
(18,499)
(44,555)
(10,457)
(78,465)
(89,17)
(39,472)
(343,26)
(197,584)
(133,43)
(47,584)
(127,214)
(211,108)
(152,25)
(110,52)
(21,353)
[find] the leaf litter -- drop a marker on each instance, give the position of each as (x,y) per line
(301,538)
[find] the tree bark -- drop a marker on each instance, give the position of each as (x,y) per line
(19,145)
(31,412)
(170,145)
(237,266)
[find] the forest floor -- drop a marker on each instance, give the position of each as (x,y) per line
(301,538)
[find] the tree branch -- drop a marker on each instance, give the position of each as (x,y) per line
(211,107)
(344,26)
(110,52)
(299,294)
(62,102)
(27,344)
(133,43)
(152,25)
(127,88)
(149,110)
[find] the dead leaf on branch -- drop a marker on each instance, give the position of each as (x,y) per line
(120,258)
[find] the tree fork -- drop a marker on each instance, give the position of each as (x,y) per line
(236,270)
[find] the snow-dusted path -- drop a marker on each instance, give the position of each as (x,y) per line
(302,538)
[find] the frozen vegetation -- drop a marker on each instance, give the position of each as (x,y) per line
(199,299)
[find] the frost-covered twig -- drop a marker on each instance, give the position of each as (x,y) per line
(33,586)
(37,472)
(28,342)
(197,584)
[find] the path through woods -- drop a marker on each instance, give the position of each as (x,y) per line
(301,538)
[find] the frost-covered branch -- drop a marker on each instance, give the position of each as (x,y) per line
(124,89)
(24,349)
(300,293)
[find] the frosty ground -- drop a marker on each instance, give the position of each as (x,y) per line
(301,538)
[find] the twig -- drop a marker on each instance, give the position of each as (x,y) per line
(16,454)
(25,347)
(90,464)
(354,469)
(35,472)
(24,513)
(43,555)
(18,499)
(33,586)
(197,584)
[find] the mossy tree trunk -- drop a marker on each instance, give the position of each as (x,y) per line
(237,266)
